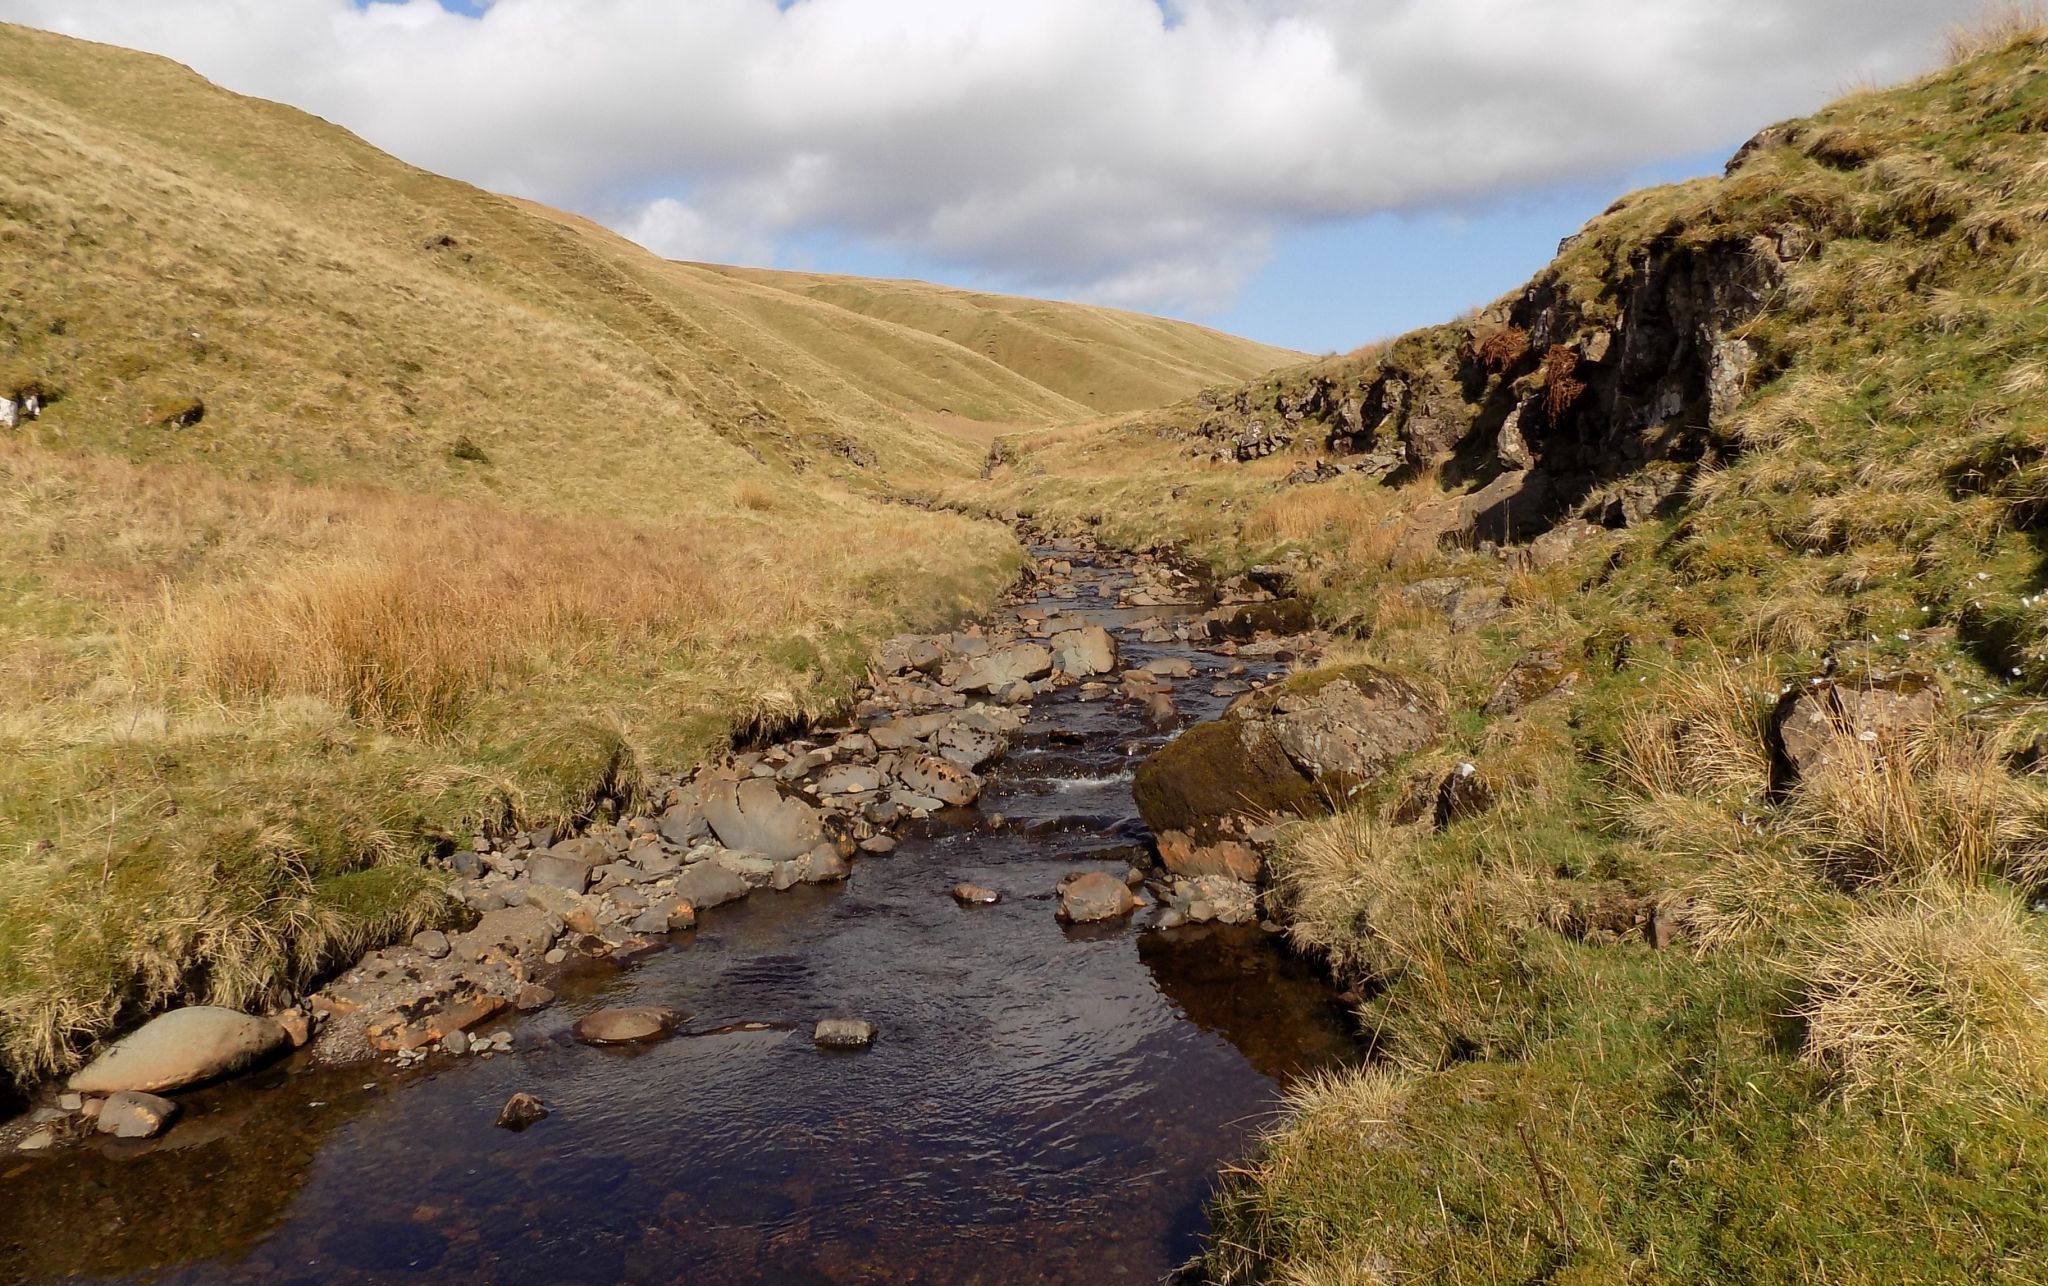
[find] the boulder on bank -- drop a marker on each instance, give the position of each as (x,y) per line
(1817,721)
(1292,749)
(756,817)
(180,1048)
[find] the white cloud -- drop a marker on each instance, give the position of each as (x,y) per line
(1085,146)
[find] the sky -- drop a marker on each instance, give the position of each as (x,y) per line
(1312,173)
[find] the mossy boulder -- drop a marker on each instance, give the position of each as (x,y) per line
(1295,749)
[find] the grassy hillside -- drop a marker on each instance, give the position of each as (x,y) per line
(367,509)
(1744,438)
(1103,359)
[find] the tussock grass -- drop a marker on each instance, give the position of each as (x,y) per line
(1945,988)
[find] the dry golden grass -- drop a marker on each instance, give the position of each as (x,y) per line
(1998,27)
(1900,809)
(1946,984)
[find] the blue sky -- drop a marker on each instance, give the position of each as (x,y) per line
(1313,173)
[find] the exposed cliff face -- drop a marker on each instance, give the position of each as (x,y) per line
(1552,404)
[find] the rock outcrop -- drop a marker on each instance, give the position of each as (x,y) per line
(1291,750)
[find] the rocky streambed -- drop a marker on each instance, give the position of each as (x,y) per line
(905,999)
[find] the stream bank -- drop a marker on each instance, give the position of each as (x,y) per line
(1045,1101)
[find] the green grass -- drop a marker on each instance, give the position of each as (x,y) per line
(1834,1075)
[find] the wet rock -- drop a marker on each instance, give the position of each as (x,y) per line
(297,1025)
(133,1115)
(1180,855)
(431,943)
(520,1111)
(707,884)
(1085,652)
(1288,749)
(1160,711)
(532,996)
(1533,676)
(626,1026)
(1171,667)
(822,865)
(1093,896)
(975,895)
(456,1043)
(431,1020)
(755,816)
(1001,671)
(940,779)
(180,1048)
(843,1033)
(1818,722)
(878,845)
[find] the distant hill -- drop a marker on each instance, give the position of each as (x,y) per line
(1104,359)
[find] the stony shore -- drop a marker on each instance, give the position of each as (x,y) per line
(937,711)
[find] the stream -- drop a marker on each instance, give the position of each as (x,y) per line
(1044,1103)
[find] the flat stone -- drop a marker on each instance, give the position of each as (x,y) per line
(757,869)
(707,884)
(940,779)
(626,1026)
(755,816)
(975,895)
(180,1048)
(844,1033)
(878,845)
(38,1140)
(850,779)
(559,870)
(133,1115)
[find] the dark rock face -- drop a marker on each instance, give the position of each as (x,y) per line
(1817,722)
(1536,412)
(1295,749)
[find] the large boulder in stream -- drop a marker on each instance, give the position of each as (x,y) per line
(1085,652)
(755,816)
(1294,749)
(180,1048)
(1002,669)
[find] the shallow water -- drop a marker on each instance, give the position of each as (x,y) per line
(1043,1104)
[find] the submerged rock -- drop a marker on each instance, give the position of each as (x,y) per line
(133,1115)
(626,1026)
(180,1048)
